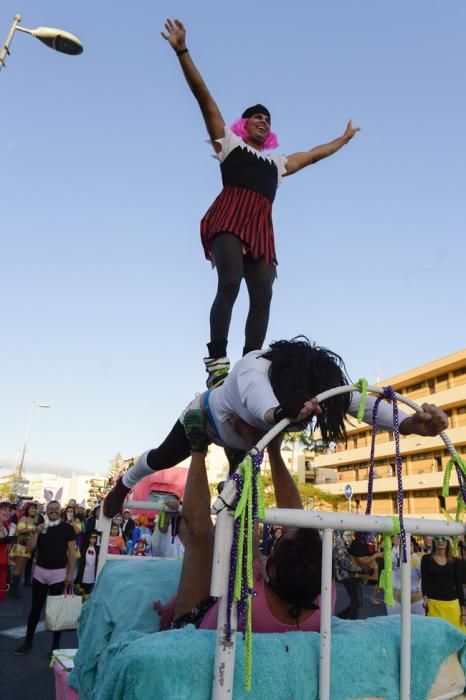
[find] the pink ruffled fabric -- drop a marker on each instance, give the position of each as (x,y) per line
(239,128)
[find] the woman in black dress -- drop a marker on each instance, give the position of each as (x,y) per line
(442,584)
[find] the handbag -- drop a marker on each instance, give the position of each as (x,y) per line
(62,611)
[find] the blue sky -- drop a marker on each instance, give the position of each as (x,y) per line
(105,176)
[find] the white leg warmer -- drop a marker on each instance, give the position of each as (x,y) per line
(138,471)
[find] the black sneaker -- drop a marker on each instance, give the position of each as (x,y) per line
(217,369)
(115,498)
(194,427)
(23,649)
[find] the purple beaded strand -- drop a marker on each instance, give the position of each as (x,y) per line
(399,470)
(245,591)
(461,482)
(238,479)
(388,393)
(370,478)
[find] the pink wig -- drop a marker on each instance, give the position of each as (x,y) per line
(239,128)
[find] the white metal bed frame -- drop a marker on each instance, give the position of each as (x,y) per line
(222,682)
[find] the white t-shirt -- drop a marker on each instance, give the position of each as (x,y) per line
(162,545)
(247,392)
(89,567)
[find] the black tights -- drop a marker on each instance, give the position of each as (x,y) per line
(173,450)
(39,596)
(232,265)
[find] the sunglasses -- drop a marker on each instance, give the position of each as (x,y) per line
(441,539)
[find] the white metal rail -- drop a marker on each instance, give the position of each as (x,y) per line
(222,682)
(105,526)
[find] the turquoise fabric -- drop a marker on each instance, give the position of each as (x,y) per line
(120,657)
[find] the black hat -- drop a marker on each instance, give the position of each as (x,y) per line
(256,109)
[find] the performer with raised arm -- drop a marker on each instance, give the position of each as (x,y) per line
(264,387)
(237,231)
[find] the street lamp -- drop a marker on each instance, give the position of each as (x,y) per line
(56,39)
(26,437)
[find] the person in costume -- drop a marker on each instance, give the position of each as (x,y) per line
(116,543)
(87,568)
(20,553)
(237,231)
(263,388)
(5,541)
(140,549)
(442,584)
(55,543)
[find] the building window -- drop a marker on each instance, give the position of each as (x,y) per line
(459,372)
(415,387)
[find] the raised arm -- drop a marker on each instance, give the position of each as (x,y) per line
(298,161)
(286,491)
(176,37)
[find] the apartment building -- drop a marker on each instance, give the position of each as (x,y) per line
(442,382)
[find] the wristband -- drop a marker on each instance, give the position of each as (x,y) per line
(182,51)
(279,414)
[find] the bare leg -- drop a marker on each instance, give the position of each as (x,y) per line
(20,563)
(197,533)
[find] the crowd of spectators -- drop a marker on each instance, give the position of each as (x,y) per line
(438,574)
(52,549)
(62,549)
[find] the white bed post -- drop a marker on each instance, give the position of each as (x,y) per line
(326,615)
(405,641)
(104,525)
(224,665)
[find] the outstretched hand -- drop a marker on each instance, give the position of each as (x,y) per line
(350,131)
(310,408)
(176,34)
(428,422)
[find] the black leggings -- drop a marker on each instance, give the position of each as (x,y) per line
(173,450)
(39,596)
(353,588)
(232,265)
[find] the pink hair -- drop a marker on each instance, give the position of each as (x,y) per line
(239,128)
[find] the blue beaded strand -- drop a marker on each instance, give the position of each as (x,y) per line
(388,393)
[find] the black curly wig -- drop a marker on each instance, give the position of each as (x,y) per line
(299,371)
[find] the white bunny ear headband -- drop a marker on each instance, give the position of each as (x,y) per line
(48,495)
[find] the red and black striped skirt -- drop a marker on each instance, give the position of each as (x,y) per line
(245,214)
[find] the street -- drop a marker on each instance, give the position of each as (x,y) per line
(26,677)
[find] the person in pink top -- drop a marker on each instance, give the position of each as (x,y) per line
(116,543)
(287,582)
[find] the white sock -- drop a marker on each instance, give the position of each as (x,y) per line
(137,472)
